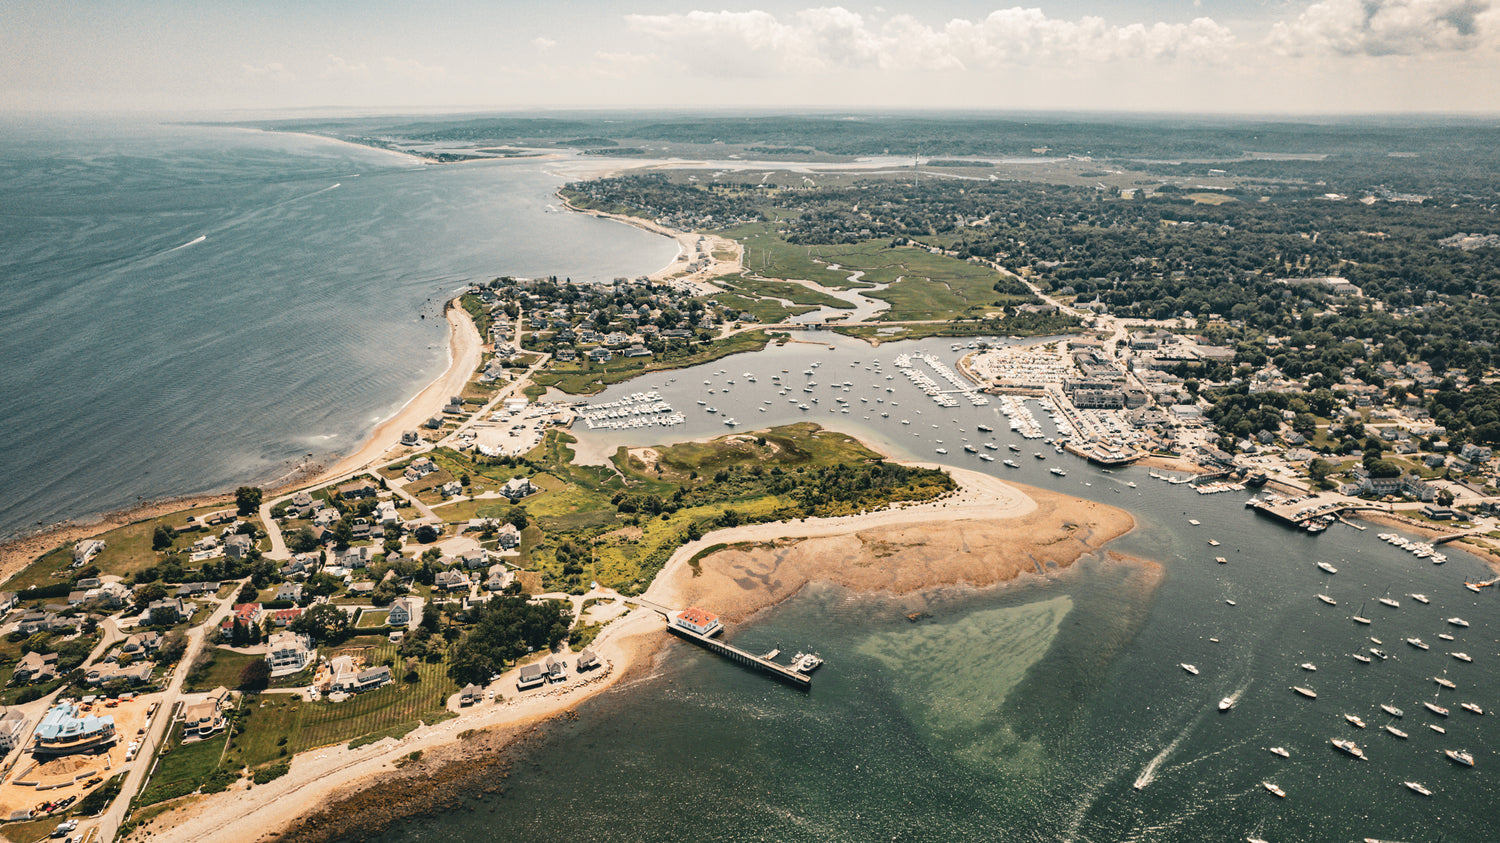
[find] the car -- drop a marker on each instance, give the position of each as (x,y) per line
(64,827)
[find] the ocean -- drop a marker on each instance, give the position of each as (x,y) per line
(1050,710)
(188,309)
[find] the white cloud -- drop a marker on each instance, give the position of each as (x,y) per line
(543,44)
(1387,27)
(413,70)
(834,38)
(338,67)
(274,71)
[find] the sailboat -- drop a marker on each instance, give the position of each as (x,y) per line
(1360,618)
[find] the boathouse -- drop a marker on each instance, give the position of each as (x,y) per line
(697,620)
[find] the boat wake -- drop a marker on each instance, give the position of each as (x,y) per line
(1148,775)
(193,242)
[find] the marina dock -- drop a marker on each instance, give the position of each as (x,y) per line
(701,627)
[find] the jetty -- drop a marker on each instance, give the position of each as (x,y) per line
(701,627)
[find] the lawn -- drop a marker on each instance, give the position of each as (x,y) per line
(225,670)
(270,723)
(399,703)
(586,378)
(183,769)
(372,618)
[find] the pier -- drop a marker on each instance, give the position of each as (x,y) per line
(700,627)
(1299,512)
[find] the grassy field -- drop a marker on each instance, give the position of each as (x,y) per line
(225,669)
(399,703)
(765,310)
(184,769)
(794,293)
(586,378)
(270,723)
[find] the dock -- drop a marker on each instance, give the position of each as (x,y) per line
(800,681)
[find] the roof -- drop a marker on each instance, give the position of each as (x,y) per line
(62,721)
(697,616)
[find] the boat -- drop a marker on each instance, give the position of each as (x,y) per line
(1417,788)
(1039,455)
(1221,560)
(986,457)
(1328,568)
(1463,657)
(992,446)
(1397,732)
(1306,692)
(1014,447)
(1131,484)
(1195,522)
(1281,751)
(970,449)
(1011,463)
(1436,709)
(1213,542)
(1329,600)
(1360,619)
(1392,710)
(1308,666)
(1230,602)
(1458,622)
(1274,789)
(1472,587)
(1420,598)
(1459,757)
(1379,653)
(942,450)
(1444,681)
(1226,703)
(1355,721)
(1394,604)
(1059,472)
(1418,643)
(1189,668)
(984,428)
(1436,728)
(1445,636)
(1362,658)
(1349,747)
(806,662)
(1471,707)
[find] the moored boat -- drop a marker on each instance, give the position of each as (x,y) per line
(1349,747)
(1463,657)
(1281,751)
(1436,709)
(1392,710)
(1273,789)
(1471,708)
(1355,721)
(1420,598)
(1459,757)
(1394,604)
(1306,692)
(1417,788)
(1397,732)
(1324,566)
(1418,643)
(1361,658)
(1329,600)
(1444,681)
(1189,668)
(1458,622)
(1308,666)
(1436,728)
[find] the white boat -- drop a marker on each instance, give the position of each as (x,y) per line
(1355,721)
(806,662)
(1230,602)
(1463,657)
(1226,703)
(1193,521)
(1306,692)
(1189,668)
(1362,658)
(1471,707)
(1329,600)
(1394,604)
(1274,789)
(1445,682)
(1420,598)
(1436,728)
(1445,636)
(1349,747)
(1392,710)
(1213,542)
(1459,757)
(942,450)
(1458,622)
(986,457)
(1011,463)
(1436,709)
(1281,751)
(1418,643)
(992,446)
(1417,788)
(1308,666)
(1328,568)
(1397,732)
(1221,560)
(1059,472)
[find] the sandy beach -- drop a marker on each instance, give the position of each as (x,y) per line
(986,533)
(681,269)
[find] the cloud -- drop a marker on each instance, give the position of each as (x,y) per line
(1386,27)
(759,43)
(413,70)
(274,71)
(338,67)
(543,44)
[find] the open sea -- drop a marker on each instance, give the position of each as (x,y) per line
(1053,709)
(187,309)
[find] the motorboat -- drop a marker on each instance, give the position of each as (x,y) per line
(942,450)
(1436,728)
(986,457)
(1213,542)
(1444,681)
(1011,463)
(1189,668)
(1355,721)
(1329,600)
(1230,602)
(1463,657)
(1221,560)
(1397,732)
(1436,709)
(1014,447)
(1226,703)
(1059,472)
(1445,636)
(806,662)
(1379,653)
(1392,710)
(1308,666)
(1418,643)
(1274,789)
(1471,708)
(1349,747)
(1327,568)
(1417,788)
(1306,692)
(1420,598)
(1361,658)
(1281,751)
(1459,757)
(1460,622)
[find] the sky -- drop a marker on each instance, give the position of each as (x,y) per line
(1205,56)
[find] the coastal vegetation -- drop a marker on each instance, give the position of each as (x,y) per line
(587,378)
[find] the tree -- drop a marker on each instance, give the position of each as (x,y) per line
(247,594)
(247,499)
(1445,498)
(304,540)
(256,676)
(240,635)
(426,534)
(325,622)
(162,537)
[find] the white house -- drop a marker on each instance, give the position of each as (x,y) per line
(289,652)
(698,620)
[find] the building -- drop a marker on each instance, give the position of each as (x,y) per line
(63,732)
(450,580)
(517,488)
(168,611)
(86,550)
(290,592)
(508,537)
(405,611)
(351,681)
(12,727)
(358,489)
(35,667)
(146,643)
(206,718)
(532,676)
(587,660)
(136,674)
(697,620)
(289,652)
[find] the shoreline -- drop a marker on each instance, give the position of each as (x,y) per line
(328,789)
(680,268)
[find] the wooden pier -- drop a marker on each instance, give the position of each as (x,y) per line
(791,677)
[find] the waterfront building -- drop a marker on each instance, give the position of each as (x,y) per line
(697,620)
(63,732)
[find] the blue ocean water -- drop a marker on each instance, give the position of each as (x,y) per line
(190,308)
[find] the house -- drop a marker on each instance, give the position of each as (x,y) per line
(474,559)
(33,622)
(12,727)
(636,351)
(8,600)
(410,437)
(508,537)
(699,621)
(517,488)
(587,660)
(1476,453)
(193,589)
(167,611)
(282,617)
(134,674)
(63,732)
(450,580)
(35,667)
(289,591)
(206,717)
(86,550)
(1438,513)
(599,355)
(146,643)
(370,678)
(405,611)
(499,577)
(362,488)
(452,489)
(385,513)
(470,695)
(556,670)
(289,652)
(238,546)
(532,676)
